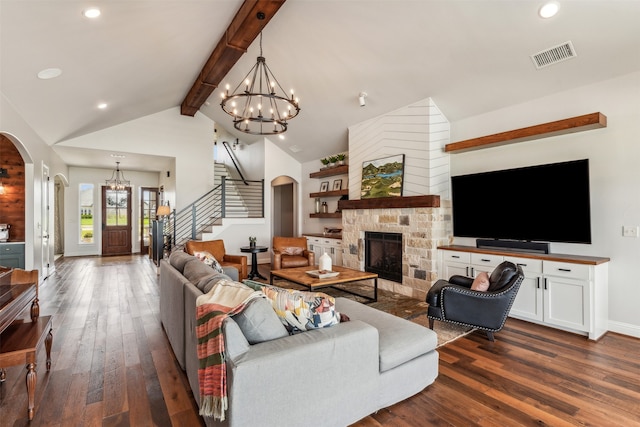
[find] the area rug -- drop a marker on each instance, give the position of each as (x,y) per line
(447,332)
(396,304)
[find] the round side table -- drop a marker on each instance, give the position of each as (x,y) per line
(254,251)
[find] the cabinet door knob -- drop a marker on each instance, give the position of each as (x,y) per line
(566,270)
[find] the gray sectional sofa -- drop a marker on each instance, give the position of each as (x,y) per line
(326,377)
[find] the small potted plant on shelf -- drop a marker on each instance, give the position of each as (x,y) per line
(340,158)
(252,242)
(332,161)
(325,162)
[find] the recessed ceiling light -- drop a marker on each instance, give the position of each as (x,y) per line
(102,105)
(118,156)
(549,9)
(92,12)
(49,73)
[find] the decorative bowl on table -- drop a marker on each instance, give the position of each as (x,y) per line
(322,274)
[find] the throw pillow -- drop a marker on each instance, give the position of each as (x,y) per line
(302,311)
(481,282)
(291,250)
(258,322)
(209,260)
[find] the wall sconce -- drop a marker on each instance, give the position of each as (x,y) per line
(362,98)
(3,174)
(235,145)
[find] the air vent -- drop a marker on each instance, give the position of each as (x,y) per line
(554,55)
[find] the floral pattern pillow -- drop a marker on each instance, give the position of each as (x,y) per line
(301,311)
(209,260)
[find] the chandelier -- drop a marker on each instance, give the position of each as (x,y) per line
(262,107)
(117,180)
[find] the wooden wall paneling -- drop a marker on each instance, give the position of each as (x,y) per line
(12,203)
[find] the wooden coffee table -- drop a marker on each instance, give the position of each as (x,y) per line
(299,275)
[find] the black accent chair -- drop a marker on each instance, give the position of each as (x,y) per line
(453,300)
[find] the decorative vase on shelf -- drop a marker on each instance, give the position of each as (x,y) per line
(318,205)
(324,263)
(325,208)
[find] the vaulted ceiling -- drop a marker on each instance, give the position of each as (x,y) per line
(143,57)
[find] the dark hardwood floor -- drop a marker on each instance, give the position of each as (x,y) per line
(112,366)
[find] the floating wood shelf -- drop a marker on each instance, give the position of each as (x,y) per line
(326,215)
(343,192)
(338,170)
(560,127)
(391,202)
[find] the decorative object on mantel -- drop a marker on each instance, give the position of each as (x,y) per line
(262,107)
(117,180)
(252,242)
(382,177)
(559,127)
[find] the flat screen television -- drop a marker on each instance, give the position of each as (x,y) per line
(543,203)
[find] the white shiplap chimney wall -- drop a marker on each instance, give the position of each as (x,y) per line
(420,132)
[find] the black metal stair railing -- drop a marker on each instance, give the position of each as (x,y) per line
(227,200)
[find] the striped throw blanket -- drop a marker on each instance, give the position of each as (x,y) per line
(225,299)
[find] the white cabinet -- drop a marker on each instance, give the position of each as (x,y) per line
(562,291)
(528,302)
(320,245)
(467,264)
(567,295)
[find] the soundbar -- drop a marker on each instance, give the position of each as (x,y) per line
(514,245)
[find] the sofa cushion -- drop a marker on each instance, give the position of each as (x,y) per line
(207,282)
(209,260)
(178,259)
(259,322)
(195,270)
(302,311)
(400,340)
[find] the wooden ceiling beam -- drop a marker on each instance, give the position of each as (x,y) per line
(243,30)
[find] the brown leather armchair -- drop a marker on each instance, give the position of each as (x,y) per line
(216,248)
(289,252)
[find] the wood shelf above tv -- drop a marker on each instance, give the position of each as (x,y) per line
(560,127)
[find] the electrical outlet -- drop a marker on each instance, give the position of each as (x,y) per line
(629,231)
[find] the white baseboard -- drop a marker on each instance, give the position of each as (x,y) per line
(625,329)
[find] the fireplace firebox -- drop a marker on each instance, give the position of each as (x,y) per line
(383,255)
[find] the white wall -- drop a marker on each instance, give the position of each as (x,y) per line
(78,176)
(613,154)
(36,153)
(419,131)
(167,133)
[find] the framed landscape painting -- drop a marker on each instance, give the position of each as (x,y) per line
(382,177)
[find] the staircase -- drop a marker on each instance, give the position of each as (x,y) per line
(204,218)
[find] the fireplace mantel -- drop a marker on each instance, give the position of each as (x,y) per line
(432,201)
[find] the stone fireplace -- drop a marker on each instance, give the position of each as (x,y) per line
(420,221)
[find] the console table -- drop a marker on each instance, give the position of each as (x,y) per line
(19,339)
(562,291)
